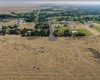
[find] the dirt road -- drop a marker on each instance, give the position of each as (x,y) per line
(90,29)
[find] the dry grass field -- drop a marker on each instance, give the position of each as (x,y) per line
(36,58)
(27,25)
(7,9)
(21,26)
(83,26)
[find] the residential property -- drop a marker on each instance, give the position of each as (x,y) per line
(19,22)
(29,33)
(73,32)
(0,29)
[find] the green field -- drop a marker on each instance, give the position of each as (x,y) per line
(61,29)
(86,32)
(54,21)
(96,28)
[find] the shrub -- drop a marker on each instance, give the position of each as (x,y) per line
(55,34)
(4,31)
(67,33)
(79,34)
(24,32)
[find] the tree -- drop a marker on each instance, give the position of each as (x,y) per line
(43,32)
(48,32)
(24,31)
(4,31)
(67,33)
(15,26)
(37,33)
(91,25)
(55,34)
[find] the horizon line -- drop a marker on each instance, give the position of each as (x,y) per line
(52,2)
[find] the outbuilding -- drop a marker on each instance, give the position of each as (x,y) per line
(73,32)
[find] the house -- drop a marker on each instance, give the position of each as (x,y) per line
(73,32)
(0,29)
(63,22)
(56,26)
(29,33)
(19,22)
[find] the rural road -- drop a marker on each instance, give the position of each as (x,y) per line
(51,37)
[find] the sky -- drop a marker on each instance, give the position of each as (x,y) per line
(50,1)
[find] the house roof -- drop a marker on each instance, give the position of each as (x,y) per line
(0,27)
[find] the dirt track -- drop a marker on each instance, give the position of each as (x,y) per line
(39,59)
(96,24)
(89,29)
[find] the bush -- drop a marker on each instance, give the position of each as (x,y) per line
(29,20)
(48,32)
(91,25)
(18,32)
(4,31)
(24,32)
(55,34)
(79,34)
(14,32)
(32,33)
(67,33)
(61,34)
(15,26)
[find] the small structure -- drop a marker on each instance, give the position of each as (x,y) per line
(73,32)
(0,29)
(19,22)
(63,22)
(29,33)
(56,26)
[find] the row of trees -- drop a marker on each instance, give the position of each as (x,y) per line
(37,32)
(97,18)
(42,26)
(67,33)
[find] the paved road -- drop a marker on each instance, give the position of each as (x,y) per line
(51,37)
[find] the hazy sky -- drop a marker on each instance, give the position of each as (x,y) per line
(50,1)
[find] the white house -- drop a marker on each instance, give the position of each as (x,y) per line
(56,26)
(29,33)
(63,22)
(0,28)
(73,32)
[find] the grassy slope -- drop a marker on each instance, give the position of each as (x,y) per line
(96,28)
(86,32)
(62,29)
